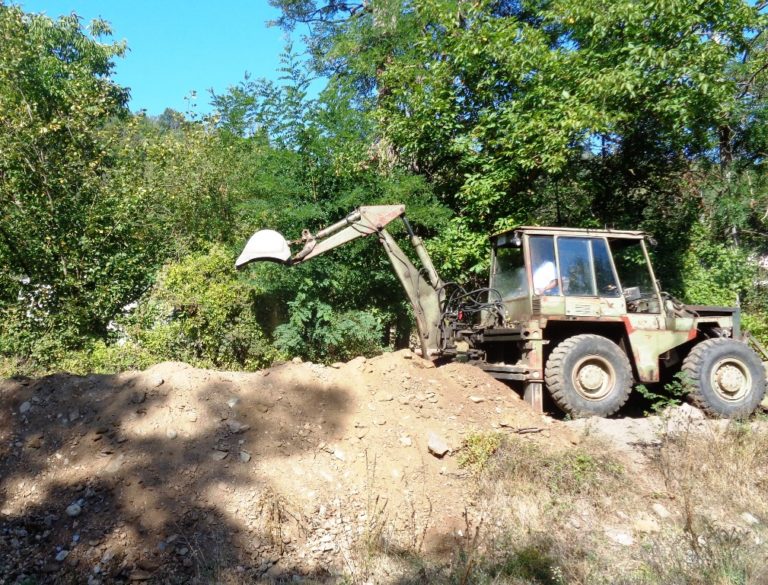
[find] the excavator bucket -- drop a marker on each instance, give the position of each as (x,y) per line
(265,245)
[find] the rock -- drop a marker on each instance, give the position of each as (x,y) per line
(477,399)
(73,510)
(171,434)
(406,441)
(646,525)
(148,564)
(138,397)
(381,421)
(156,381)
(35,442)
(115,464)
(25,406)
(219,455)
(192,416)
(140,575)
(297,360)
(61,555)
(236,427)
(339,454)
(437,445)
(682,418)
(232,402)
(336,365)
(245,457)
(749,518)
(621,537)
(661,511)
(385,398)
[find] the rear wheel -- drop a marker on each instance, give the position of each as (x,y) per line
(588,375)
(724,377)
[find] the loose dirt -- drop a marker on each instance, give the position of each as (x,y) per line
(165,475)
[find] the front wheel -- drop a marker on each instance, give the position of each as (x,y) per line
(724,377)
(588,375)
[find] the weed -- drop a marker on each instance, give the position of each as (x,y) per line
(674,393)
(477,450)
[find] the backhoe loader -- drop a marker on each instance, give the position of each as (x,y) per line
(577,312)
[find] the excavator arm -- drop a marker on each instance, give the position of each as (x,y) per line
(424,288)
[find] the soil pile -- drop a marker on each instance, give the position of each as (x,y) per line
(165,474)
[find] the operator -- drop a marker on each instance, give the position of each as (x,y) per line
(545,279)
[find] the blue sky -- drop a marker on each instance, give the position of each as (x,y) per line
(180,46)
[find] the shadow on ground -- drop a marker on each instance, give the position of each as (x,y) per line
(148,476)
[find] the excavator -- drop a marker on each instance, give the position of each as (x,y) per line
(577,313)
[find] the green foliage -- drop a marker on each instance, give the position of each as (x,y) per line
(477,450)
(673,395)
(55,98)
(316,332)
(714,273)
(201,313)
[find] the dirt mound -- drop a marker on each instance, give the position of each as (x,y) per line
(166,473)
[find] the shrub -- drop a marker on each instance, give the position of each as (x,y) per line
(201,313)
(316,332)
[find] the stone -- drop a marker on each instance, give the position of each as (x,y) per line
(661,511)
(236,427)
(618,536)
(297,360)
(156,381)
(61,555)
(385,398)
(35,442)
(115,464)
(140,575)
(646,525)
(171,433)
(25,406)
(437,445)
(477,399)
(73,510)
(192,416)
(339,454)
(406,441)
(749,518)
(138,397)
(245,457)
(336,365)
(219,455)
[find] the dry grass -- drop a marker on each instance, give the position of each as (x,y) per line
(543,518)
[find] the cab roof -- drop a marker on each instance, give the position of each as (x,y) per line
(563,231)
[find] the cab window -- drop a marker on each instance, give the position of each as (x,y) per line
(585,267)
(543,266)
(509,278)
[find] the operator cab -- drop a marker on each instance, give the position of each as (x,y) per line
(578,272)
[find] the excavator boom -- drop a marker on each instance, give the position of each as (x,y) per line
(426,294)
